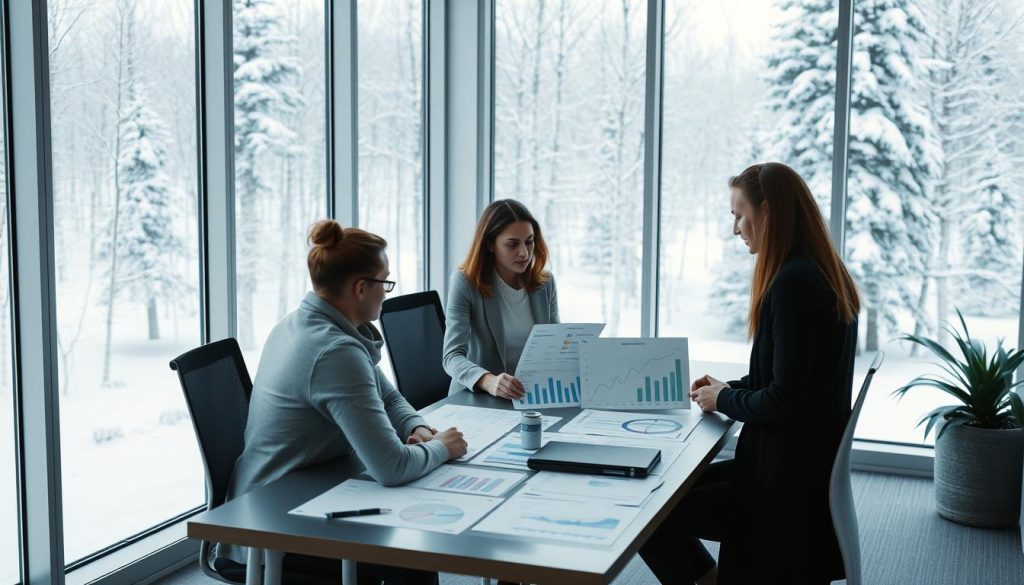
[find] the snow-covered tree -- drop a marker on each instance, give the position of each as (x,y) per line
(147,245)
(974,51)
(264,75)
(891,147)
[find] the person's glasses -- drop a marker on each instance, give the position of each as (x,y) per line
(389,285)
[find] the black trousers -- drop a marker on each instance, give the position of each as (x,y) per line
(366,573)
(674,552)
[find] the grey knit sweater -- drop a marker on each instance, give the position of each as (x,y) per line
(319,394)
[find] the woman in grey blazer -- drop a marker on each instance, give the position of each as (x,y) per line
(495,298)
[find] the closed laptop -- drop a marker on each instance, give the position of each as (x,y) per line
(595,459)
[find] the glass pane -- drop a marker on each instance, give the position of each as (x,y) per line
(569,143)
(9,572)
(935,205)
(729,72)
(391,133)
(127,265)
(280,157)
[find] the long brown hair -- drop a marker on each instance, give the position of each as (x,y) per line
(337,254)
(479,263)
(793,224)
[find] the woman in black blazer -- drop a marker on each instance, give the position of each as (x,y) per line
(769,505)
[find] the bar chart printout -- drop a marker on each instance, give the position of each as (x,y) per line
(635,373)
(550,365)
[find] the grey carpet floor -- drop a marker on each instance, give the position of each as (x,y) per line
(903,542)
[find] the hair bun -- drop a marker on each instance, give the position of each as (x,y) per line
(326,233)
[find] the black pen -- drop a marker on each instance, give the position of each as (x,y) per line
(363,512)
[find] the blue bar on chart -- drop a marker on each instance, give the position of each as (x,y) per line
(668,389)
(560,391)
(557,392)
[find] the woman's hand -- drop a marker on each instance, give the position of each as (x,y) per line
(704,391)
(421,434)
(502,386)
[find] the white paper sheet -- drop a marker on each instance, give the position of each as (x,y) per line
(480,426)
(550,365)
(508,452)
(599,489)
(637,425)
(410,507)
(635,373)
(559,520)
(463,479)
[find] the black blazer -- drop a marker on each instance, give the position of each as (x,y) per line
(794,405)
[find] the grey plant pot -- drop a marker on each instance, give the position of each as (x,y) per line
(978,475)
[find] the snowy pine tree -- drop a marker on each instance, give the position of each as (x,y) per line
(265,92)
(147,247)
(890,155)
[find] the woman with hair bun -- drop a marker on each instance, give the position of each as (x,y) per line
(319,393)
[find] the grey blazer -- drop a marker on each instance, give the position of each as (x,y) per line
(474,341)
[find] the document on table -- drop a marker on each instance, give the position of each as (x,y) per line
(670,450)
(410,507)
(635,373)
(462,479)
(550,365)
(676,426)
(597,489)
(479,426)
(537,518)
(509,452)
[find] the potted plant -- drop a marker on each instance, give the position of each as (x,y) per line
(979,443)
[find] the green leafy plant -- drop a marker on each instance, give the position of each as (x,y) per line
(983,384)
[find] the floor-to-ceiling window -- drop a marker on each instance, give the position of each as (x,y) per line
(935,207)
(123,130)
(280,157)
(569,143)
(741,87)
(390,97)
(9,572)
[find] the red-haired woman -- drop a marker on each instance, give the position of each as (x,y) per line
(769,505)
(495,298)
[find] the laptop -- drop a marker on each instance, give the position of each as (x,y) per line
(595,459)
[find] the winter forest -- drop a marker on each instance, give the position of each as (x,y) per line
(933,220)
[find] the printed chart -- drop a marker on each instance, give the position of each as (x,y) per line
(469,480)
(480,426)
(634,425)
(565,521)
(410,507)
(509,452)
(550,365)
(635,374)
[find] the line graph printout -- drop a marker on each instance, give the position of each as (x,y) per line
(581,522)
(410,507)
(635,374)
(550,365)
(635,425)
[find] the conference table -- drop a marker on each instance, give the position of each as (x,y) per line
(260,520)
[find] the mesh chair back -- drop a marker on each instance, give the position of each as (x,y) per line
(217,388)
(840,492)
(413,327)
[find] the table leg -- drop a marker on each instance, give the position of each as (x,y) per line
(253,574)
(272,572)
(348,572)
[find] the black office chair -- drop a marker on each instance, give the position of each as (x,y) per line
(413,327)
(217,388)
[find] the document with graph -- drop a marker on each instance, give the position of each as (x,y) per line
(550,365)
(571,521)
(634,373)
(634,425)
